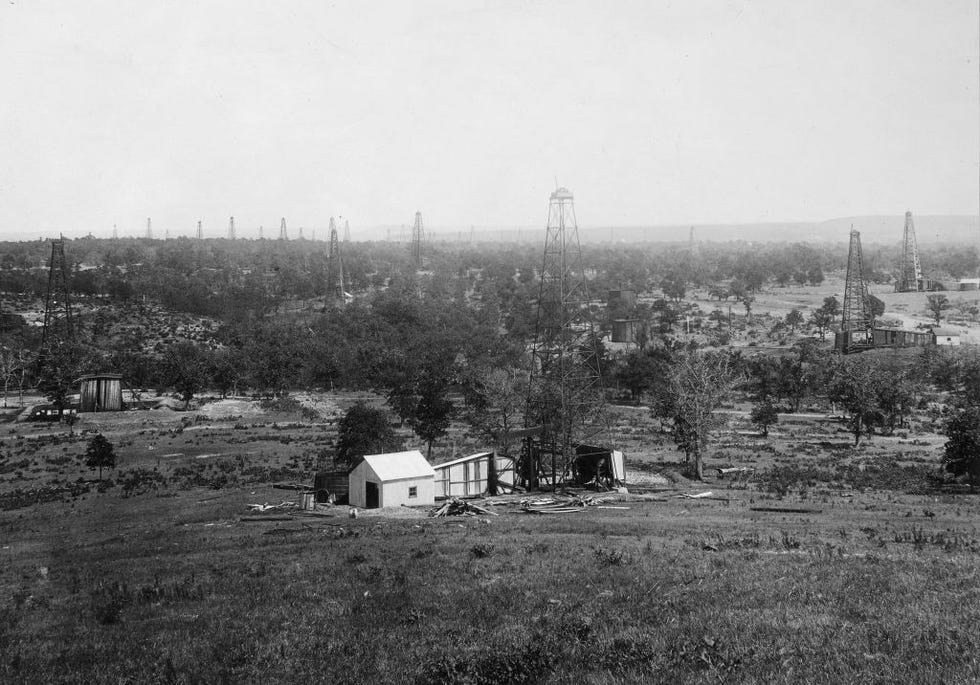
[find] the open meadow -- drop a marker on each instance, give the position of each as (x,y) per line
(823,563)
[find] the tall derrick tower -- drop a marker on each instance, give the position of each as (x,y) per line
(200,230)
(58,332)
(857,320)
(231,228)
(565,400)
(910,278)
(282,230)
(149,229)
(346,231)
(418,239)
(335,268)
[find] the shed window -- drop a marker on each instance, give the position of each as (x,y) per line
(413,491)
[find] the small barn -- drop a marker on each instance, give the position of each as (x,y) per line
(476,474)
(946,336)
(390,480)
(100,392)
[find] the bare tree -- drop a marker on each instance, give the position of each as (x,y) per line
(697,383)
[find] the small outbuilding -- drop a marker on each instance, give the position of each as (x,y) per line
(100,392)
(946,336)
(390,480)
(476,474)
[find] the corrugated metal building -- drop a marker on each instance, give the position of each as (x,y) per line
(390,480)
(476,474)
(100,392)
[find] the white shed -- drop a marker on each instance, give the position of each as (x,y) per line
(946,336)
(390,480)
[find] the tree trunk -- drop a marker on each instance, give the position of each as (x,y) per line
(698,466)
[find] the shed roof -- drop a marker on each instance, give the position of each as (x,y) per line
(948,332)
(460,460)
(398,465)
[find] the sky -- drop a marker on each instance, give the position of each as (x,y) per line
(651,112)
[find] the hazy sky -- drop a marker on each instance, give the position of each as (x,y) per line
(650,111)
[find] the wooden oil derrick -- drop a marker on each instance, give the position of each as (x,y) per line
(564,414)
(282,230)
(857,320)
(418,241)
(910,278)
(346,231)
(58,331)
(335,268)
(231,228)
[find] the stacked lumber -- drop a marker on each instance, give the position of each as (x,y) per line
(458,507)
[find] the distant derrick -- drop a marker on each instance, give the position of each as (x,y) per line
(58,331)
(282,230)
(335,268)
(231,228)
(418,240)
(857,320)
(910,277)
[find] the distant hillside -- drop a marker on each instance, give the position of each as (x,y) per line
(874,229)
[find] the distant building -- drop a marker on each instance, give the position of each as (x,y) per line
(100,392)
(883,336)
(969,284)
(621,298)
(946,336)
(390,480)
(624,330)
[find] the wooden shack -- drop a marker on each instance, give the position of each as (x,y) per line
(477,474)
(100,392)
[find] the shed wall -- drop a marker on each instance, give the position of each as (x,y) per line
(395,493)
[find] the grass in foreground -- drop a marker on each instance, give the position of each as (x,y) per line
(176,590)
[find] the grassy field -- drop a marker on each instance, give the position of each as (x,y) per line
(157,578)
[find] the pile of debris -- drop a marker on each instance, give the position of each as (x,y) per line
(458,507)
(566,504)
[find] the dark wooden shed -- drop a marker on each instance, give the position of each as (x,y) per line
(100,392)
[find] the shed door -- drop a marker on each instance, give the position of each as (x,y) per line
(371,495)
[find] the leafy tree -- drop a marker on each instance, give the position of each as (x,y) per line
(854,386)
(100,454)
(747,301)
(185,369)
(794,319)
(58,370)
(936,304)
(962,450)
(697,383)
(823,317)
(763,415)
(433,412)
(364,430)
(674,287)
(497,405)
(815,275)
